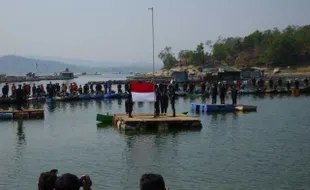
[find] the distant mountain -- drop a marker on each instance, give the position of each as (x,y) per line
(12,64)
(108,66)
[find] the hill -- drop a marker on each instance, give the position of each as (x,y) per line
(271,48)
(12,64)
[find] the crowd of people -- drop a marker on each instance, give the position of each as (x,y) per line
(271,84)
(50,181)
(55,89)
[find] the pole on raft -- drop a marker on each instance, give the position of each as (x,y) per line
(152,9)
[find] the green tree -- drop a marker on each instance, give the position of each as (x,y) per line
(167,57)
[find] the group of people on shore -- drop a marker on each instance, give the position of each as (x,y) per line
(50,181)
(272,84)
(55,89)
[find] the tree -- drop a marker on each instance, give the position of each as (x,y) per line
(273,46)
(199,56)
(186,56)
(167,57)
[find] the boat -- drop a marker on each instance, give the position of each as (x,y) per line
(97,96)
(36,99)
(180,93)
(270,91)
(248,91)
(109,95)
(104,118)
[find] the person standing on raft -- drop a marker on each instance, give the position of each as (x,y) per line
(164,101)
(129,103)
(234,94)
(158,99)
(214,92)
(222,90)
(172,100)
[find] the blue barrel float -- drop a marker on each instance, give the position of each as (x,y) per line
(6,116)
(213,107)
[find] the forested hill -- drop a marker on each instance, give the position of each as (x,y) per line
(289,47)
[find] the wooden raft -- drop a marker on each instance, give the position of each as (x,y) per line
(147,121)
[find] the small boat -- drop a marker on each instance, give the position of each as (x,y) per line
(104,118)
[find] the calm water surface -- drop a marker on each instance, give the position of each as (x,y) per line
(269,149)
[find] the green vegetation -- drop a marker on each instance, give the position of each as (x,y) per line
(289,47)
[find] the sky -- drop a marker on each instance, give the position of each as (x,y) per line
(121,30)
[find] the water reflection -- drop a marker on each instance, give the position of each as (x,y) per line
(86,104)
(38,105)
(98,103)
(119,102)
(52,107)
(103,125)
(21,138)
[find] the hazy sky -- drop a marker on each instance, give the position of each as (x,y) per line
(120,30)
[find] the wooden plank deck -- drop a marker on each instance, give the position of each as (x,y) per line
(147,121)
(150,118)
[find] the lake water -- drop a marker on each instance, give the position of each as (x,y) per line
(267,149)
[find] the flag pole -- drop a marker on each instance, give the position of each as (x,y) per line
(152,9)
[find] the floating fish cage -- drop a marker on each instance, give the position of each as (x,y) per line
(21,114)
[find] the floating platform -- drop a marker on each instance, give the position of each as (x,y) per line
(221,107)
(145,122)
(21,114)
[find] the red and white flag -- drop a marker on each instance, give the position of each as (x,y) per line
(142,91)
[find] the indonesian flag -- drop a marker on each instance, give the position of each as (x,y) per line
(142,91)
